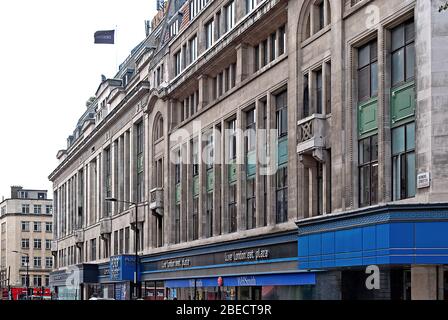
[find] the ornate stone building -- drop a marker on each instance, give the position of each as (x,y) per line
(233,123)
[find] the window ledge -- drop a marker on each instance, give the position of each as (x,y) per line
(316,36)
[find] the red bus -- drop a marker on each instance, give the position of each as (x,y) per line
(20,294)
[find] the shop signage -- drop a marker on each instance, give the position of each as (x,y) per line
(247,255)
(176,264)
(122,268)
(247,281)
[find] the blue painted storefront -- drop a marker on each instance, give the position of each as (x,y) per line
(388,235)
(293,279)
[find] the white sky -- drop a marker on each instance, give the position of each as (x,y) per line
(50,67)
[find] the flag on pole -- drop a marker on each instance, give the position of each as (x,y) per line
(105,37)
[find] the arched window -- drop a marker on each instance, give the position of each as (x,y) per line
(318,16)
(158,128)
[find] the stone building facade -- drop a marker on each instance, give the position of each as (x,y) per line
(233,123)
(26,221)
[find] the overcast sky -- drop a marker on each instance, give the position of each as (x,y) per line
(50,67)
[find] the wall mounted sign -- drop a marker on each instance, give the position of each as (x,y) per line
(247,255)
(423,180)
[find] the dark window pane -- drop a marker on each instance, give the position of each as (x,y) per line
(363,56)
(364,84)
(374,80)
(410,136)
(410,32)
(410,175)
(374,148)
(410,61)
(373,50)
(364,177)
(398,67)
(396,169)
(374,184)
(397,38)
(364,151)
(398,143)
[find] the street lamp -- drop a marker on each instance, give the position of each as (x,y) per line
(27,271)
(136,293)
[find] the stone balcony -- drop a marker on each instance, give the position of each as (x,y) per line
(311,133)
(79,236)
(156,203)
(54,246)
(139,211)
(106,226)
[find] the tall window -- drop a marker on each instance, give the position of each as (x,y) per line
(321,15)
(250,5)
(93,249)
(264,58)
(282,40)
(403,135)
(306,96)
(209,34)
(250,145)
(177,63)
(368,171)
(282,171)
(209,151)
(209,214)
(193,46)
(403,53)
(282,113)
(232,208)
(273,47)
(368,71)
(126,239)
(282,195)
(158,128)
(251,204)
(319,92)
(140,166)
(403,161)
(195,218)
(232,196)
(232,139)
(116,242)
(230,15)
(108,180)
(195,151)
(177,181)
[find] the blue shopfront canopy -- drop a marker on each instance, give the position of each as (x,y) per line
(290,279)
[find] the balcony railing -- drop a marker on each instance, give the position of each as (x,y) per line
(311,133)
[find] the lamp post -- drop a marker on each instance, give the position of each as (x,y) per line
(136,293)
(27,271)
